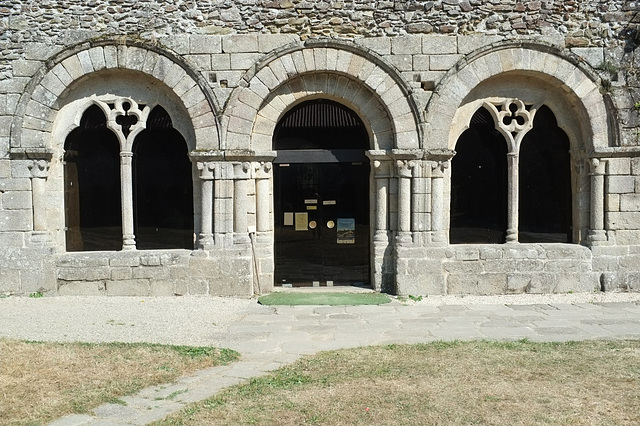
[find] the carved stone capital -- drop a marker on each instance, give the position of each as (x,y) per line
(39,169)
(405,168)
(597,166)
(207,169)
(263,169)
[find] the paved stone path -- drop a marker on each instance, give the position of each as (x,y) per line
(269,337)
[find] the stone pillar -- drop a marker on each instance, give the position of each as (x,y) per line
(240,190)
(597,233)
(39,173)
(437,201)
(205,239)
(126,185)
(381,176)
(263,172)
(512,198)
(404,169)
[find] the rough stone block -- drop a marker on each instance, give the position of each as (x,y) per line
(163,288)
(467,253)
(567,265)
(82,260)
(463,267)
(25,68)
(380,45)
(629,202)
(619,166)
(443,62)
(84,274)
(406,45)
(81,288)
(620,184)
(121,273)
(15,200)
(623,220)
(125,261)
(439,44)
(244,61)
(128,288)
(530,265)
(594,56)
(500,265)
(536,283)
(480,284)
(613,202)
(240,43)
(401,62)
(269,42)
(16,220)
(470,43)
(199,44)
(9,280)
(415,285)
(578,282)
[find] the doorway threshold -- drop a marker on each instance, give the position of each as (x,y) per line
(325,289)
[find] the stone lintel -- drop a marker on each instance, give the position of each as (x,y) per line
(407,154)
(31,154)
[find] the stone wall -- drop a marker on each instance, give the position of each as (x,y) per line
(230,69)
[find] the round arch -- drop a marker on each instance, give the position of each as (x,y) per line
(536,74)
(352,76)
(66,79)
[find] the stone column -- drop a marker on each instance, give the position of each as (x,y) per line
(596,232)
(126,185)
(381,176)
(240,189)
(263,171)
(437,201)
(512,198)
(205,239)
(39,173)
(404,169)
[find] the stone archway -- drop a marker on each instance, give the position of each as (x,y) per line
(107,73)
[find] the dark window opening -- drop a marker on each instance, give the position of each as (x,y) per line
(162,187)
(92,185)
(320,124)
(479,184)
(545,182)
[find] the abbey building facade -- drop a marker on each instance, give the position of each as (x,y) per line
(232,147)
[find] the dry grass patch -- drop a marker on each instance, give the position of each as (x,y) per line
(40,382)
(440,383)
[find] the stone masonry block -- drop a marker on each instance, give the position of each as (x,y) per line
(629,202)
(535,283)
(269,42)
(207,44)
(619,166)
(476,284)
(557,266)
(415,285)
(594,56)
(623,220)
(439,44)
(25,68)
(406,45)
(128,288)
(401,62)
(240,43)
(84,274)
(97,58)
(163,287)
(469,43)
(613,202)
(463,267)
(16,220)
(81,288)
(467,253)
(443,62)
(578,282)
(244,61)
(380,45)
(15,200)
(499,265)
(150,272)
(627,237)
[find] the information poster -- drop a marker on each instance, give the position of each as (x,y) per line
(288,219)
(302,221)
(346,231)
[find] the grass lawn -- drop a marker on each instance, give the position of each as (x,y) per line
(332,299)
(576,383)
(40,382)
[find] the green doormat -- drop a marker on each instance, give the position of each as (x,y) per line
(333,299)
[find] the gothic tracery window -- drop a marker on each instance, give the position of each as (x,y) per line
(128,180)
(511,177)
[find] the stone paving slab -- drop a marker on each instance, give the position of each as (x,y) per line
(270,337)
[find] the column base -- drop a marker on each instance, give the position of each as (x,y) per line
(205,242)
(40,239)
(597,237)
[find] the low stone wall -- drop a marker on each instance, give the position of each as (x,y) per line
(154,273)
(498,269)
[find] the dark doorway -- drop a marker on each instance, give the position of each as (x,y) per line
(479,184)
(545,182)
(93,214)
(321,194)
(162,186)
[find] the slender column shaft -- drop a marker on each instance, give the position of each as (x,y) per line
(597,171)
(126,185)
(263,197)
(437,206)
(240,191)
(382,190)
(205,240)
(512,198)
